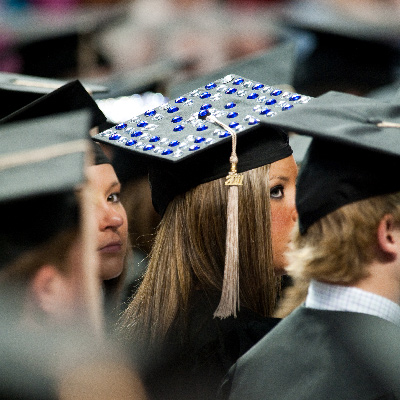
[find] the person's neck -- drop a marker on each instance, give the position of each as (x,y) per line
(383,280)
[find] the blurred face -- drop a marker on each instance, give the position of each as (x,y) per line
(111,219)
(282,179)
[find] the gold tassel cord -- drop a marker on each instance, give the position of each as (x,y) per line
(229,302)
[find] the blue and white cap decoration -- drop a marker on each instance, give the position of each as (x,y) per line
(176,130)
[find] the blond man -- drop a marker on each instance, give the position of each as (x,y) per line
(343,342)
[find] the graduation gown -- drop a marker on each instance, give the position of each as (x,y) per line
(193,365)
(318,354)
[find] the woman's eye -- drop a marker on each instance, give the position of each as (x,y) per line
(276,192)
(113,198)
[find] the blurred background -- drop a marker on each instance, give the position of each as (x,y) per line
(134,55)
(145,49)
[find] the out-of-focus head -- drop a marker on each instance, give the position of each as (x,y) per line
(42,165)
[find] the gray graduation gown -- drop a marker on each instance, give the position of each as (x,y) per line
(316,354)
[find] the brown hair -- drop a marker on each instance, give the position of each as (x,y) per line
(337,247)
(15,277)
(189,252)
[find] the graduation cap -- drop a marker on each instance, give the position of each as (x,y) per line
(212,132)
(41,163)
(18,90)
(339,52)
(275,66)
(352,156)
(70,97)
(299,145)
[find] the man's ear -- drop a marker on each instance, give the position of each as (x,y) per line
(388,236)
(47,289)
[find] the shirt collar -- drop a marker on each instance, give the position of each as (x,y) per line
(325,296)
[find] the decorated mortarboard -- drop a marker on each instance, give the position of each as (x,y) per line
(212,132)
(190,136)
(354,152)
(18,90)
(41,163)
(70,97)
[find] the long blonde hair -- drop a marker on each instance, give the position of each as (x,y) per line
(189,251)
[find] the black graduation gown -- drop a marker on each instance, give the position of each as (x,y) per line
(316,354)
(192,366)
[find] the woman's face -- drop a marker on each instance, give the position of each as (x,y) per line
(282,179)
(112,232)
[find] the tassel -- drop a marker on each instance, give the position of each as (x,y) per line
(229,302)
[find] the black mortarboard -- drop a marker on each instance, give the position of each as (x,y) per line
(184,150)
(18,90)
(41,163)
(338,51)
(352,156)
(212,132)
(69,97)
(275,66)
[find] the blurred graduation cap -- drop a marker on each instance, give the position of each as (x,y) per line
(41,163)
(337,51)
(389,93)
(18,90)
(352,156)
(275,66)
(212,132)
(70,97)
(299,145)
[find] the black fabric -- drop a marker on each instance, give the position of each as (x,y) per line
(259,147)
(99,155)
(69,97)
(129,166)
(341,50)
(333,175)
(315,354)
(18,90)
(191,365)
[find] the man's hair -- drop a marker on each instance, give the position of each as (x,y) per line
(15,277)
(339,246)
